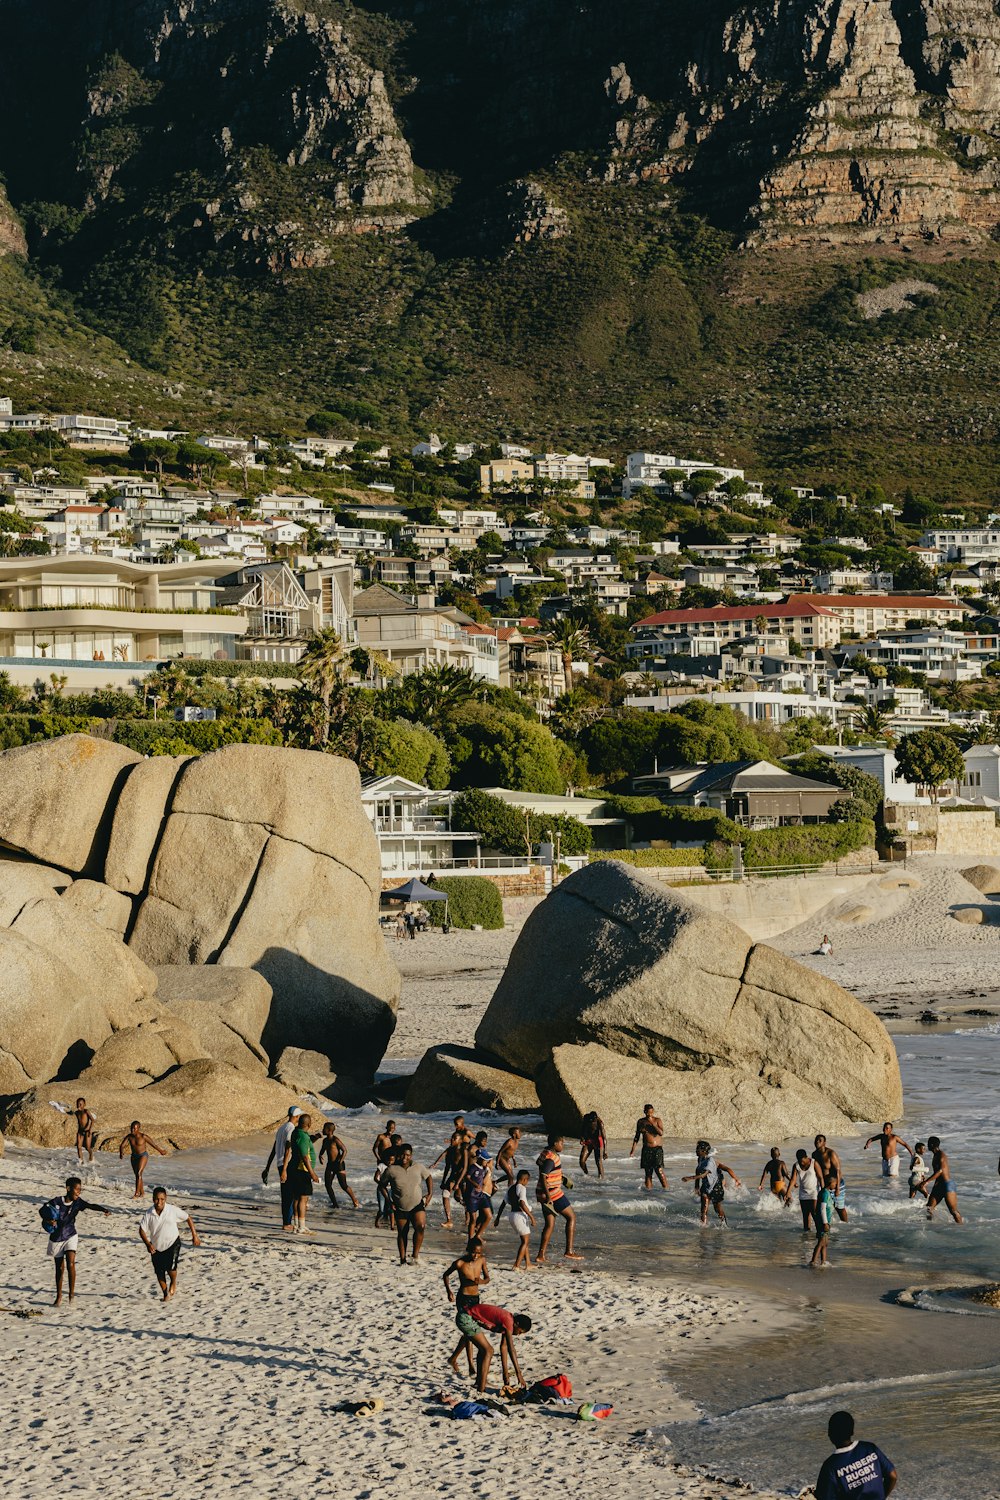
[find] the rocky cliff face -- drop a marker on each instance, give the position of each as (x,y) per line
(271,126)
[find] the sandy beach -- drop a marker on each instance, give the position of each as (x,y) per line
(235,1384)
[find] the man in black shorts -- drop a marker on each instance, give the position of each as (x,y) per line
(410,1190)
(650,1131)
(159,1230)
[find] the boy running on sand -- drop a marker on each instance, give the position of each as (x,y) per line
(61,1214)
(138,1143)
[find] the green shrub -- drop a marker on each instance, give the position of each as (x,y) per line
(28,729)
(147,735)
(652,859)
(472,902)
(810,844)
(239,668)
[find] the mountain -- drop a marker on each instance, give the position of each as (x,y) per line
(607,222)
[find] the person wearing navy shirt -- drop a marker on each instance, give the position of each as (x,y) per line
(856,1468)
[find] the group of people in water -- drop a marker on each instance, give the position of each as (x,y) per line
(483,1186)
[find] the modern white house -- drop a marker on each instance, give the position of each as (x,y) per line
(981,780)
(878,761)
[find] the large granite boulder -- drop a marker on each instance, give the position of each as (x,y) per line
(289,882)
(613,962)
(58,797)
(458,1078)
(195,1105)
(250,878)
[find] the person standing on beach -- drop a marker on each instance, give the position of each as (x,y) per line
(138,1143)
(939,1186)
(282,1136)
(159,1230)
(594,1142)
(473,1272)
(828,1163)
(410,1188)
(521,1218)
(335,1152)
(889,1142)
(59,1217)
(384,1149)
(85,1123)
(298,1169)
(777,1173)
(507,1155)
(650,1131)
(855,1468)
(551,1194)
(805,1175)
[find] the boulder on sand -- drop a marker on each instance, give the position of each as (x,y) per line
(612,960)
(288,885)
(49,1023)
(985,878)
(969,916)
(140,1054)
(57,799)
(195,1105)
(459,1078)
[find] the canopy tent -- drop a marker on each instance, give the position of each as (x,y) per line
(415,890)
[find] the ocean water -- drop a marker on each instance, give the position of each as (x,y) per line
(923,1381)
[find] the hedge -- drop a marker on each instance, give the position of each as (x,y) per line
(502,826)
(472,902)
(809,844)
(650,819)
(263,669)
(146,736)
(653,859)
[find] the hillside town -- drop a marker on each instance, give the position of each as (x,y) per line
(593,594)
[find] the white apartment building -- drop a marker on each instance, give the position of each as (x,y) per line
(92,432)
(965,546)
(871,614)
(646,470)
(949,654)
(799,618)
(852,578)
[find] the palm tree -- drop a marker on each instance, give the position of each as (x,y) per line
(434,694)
(573,643)
(872,722)
(321,667)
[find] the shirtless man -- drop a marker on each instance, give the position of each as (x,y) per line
(593,1142)
(507,1157)
(138,1143)
(828,1163)
(455,1158)
(939,1186)
(889,1141)
(389,1157)
(84,1130)
(650,1130)
(335,1152)
(472,1272)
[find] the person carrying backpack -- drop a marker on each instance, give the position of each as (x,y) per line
(59,1218)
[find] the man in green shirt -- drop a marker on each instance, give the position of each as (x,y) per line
(298,1170)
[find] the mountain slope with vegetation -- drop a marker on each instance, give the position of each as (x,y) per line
(644,226)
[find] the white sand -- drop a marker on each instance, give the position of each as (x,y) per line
(231,1386)
(909,949)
